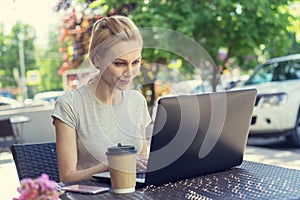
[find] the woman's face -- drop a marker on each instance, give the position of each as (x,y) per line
(126,62)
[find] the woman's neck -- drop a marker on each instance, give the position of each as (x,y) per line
(106,94)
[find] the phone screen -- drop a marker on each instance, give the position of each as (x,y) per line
(85,189)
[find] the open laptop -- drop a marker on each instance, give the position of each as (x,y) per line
(197,134)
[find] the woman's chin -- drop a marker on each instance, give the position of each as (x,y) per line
(122,87)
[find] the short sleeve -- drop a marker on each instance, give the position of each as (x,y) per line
(145,112)
(64,110)
(147,117)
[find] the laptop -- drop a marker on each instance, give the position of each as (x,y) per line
(197,134)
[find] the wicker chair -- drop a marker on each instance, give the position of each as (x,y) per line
(32,160)
(7,135)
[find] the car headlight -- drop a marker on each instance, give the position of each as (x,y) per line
(275,99)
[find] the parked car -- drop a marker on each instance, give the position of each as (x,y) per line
(49,96)
(277,107)
(230,82)
(189,87)
(7,103)
(197,86)
(7,94)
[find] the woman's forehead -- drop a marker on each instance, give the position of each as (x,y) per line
(130,56)
(124,49)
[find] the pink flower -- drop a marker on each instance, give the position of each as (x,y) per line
(41,188)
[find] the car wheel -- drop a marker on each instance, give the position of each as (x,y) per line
(294,138)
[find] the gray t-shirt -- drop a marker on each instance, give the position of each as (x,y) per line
(99,126)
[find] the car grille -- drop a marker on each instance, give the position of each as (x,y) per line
(253,120)
(257,100)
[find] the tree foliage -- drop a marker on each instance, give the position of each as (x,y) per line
(239,27)
(243,29)
(75,33)
(10,71)
(46,60)
(49,62)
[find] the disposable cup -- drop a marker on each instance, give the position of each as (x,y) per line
(122,168)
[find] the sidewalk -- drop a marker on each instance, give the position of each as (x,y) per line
(280,158)
(9,178)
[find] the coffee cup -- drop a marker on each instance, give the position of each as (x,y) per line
(122,168)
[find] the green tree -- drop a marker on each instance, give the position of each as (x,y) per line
(5,72)
(20,35)
(247,30)
(240,27)
(49,61)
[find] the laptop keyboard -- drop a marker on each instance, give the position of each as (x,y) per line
(140,174)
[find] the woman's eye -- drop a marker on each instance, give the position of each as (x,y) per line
(119,64)
(136,62)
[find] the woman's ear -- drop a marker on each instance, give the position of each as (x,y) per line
(97,61)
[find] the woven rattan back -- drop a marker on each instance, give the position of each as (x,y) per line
(6,128)
(32,160)
(7,135)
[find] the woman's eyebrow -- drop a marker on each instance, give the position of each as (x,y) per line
(123,60)
(120,60)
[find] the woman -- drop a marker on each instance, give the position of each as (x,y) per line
(103,113)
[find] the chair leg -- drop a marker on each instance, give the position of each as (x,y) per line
(4,149)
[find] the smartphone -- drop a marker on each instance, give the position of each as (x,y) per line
(86,189)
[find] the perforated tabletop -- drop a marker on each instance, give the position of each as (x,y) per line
(250,180)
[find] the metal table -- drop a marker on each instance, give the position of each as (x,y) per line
(250,180)
(18,122)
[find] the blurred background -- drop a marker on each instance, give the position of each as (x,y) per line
(43,44)
(43,50)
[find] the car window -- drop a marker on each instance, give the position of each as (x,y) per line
(201,89)
(3,103)
(262,75)
(278,71)
(50,96)
(294,70)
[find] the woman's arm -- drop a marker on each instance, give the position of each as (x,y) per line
(67,155)
(144,151)
(142,158)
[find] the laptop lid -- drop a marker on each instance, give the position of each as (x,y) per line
(199,134)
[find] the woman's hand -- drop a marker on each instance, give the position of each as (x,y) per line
(141,163)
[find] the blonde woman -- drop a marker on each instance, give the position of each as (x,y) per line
(103,112)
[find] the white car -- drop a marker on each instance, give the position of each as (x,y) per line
(197,86)
(277,107)
(49,96)
(7,103)
(189,87)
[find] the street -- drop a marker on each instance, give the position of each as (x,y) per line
(269,151)
(273,143)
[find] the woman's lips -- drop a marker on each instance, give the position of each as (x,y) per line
(124,82)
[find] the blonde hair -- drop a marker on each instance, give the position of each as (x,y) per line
(109,31)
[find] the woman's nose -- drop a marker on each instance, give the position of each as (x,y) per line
(128,70)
